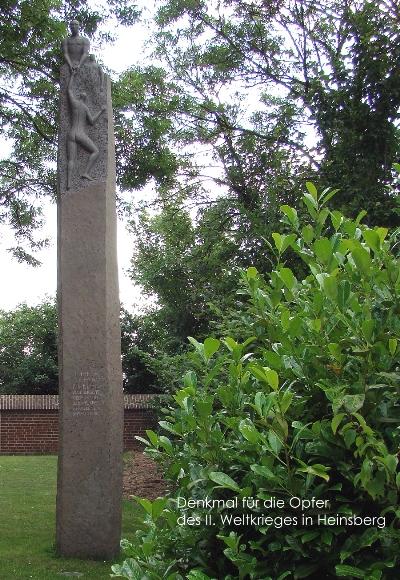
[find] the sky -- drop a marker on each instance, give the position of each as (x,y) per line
(23,283)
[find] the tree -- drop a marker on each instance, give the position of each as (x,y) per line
(28,350)
(30,38)
(138,340)
(330,66)
(249,100)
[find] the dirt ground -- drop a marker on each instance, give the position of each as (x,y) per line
(142,476)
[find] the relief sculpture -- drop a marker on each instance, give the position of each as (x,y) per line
(80,116)
(84,87)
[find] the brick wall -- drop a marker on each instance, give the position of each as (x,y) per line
(29,423)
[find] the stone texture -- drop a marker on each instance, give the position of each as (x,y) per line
(91,403)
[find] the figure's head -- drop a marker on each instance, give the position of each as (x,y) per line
(74,26)
(83,97)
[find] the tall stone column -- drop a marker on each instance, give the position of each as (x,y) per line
(89,489)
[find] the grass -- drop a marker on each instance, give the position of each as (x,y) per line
(27,523)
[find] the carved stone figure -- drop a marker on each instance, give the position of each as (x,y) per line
(89,479)
(80,114)
(75,47)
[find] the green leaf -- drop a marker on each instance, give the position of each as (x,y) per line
(249,431)
(392,345)
(263,471)
(274,442)
(391,462)
(372,239)
(196,575)
(312,190)
(169,427)
(211,346)
(349,571)
(251,273)
(282,242)
(258,372)
(308,536)
(349,437)
(362,259)
(335,351)
(278,241)
(327,194)
(318,470)
(166,444)
(197,345)
(273,359)
(153,437)
(344,290)
(310,204)
(323,250)
(145,503)
(337,419)
(360,216)
(272,378)
(286,401)
(291,214)
(158,506)
(352,403)
(287,277)
(308,233)
(223,480)
(329,285)
(190,382)
(231,343)
(382,233)
(204,407)
(336,219)
(368,326)
(259,402)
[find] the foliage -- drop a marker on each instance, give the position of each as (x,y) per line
(247,100)
(138,354)
(325,65)
(304,405)
(30,37)
(28,350)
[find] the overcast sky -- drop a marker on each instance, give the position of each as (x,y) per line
(23,283)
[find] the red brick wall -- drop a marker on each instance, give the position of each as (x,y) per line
(35,431)
(136,421)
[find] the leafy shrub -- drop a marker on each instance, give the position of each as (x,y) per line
(28,350)
(307,406)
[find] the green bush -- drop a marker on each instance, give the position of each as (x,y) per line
(307,406)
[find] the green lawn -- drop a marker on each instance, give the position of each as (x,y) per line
(27,523)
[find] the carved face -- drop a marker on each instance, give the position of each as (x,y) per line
(83,97)
(74,27)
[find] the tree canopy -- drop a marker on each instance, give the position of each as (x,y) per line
(247,101)
(30,38)
(243,102)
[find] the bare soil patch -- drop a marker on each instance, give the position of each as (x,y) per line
(142,476)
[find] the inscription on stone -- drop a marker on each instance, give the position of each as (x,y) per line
(87,394)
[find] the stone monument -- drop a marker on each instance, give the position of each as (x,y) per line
(89,485)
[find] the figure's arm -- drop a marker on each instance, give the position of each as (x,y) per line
(85,52)
(66,53)
(71,95)
(93,118)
